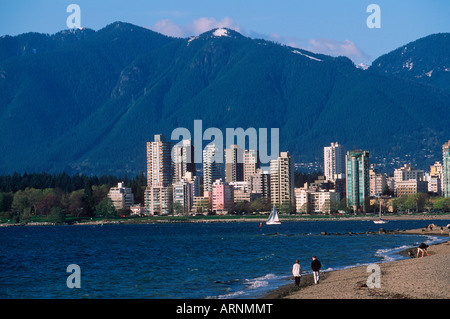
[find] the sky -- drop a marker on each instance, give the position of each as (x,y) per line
(333,27)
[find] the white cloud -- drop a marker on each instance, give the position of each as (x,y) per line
(169,28)
(193,28)
(205,24)
(338,48)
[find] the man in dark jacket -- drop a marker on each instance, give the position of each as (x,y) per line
(315,266)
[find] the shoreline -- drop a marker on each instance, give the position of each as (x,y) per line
(410,278)
(231,219)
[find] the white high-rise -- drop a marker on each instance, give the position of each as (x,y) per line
(334,161)
(159,162)
(213,166)
(282,180)
(158,194)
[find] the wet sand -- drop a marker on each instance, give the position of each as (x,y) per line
(413,278)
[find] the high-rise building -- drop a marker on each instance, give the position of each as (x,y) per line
(282,180)
(189,177)
(357,180)
(234,164)
(446,169)
(183,159)
(251,163)
(158,195)
(182,197)
(334,161)
(212,166)
(158,200)
(377,182)
(159,162)
(435,180)
(260,183)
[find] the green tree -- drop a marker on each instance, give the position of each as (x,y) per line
(56,215)
(442,204)
(20,201)
(286,208)
(260,205)
(105,208)
(75,207)
(6,200)
(49,201)
(242,207)
(88,198)
(177,208)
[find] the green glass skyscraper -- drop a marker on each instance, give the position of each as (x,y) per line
(446,169)
(357,180)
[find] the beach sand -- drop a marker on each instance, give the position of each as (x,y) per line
(412,278)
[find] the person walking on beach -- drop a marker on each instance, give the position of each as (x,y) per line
(297,272)
(315,266)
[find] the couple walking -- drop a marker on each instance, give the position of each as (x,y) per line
(297,270)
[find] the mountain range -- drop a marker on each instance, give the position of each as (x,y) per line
(88,101)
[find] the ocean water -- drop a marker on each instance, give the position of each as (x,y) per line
(190,260)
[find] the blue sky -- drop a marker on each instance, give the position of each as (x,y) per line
(334,27)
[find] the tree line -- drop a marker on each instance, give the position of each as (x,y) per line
(55,196)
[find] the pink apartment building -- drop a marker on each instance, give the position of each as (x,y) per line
(222,197)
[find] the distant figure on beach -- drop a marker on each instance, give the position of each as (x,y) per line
(422,248)
(315,266)
(297,272)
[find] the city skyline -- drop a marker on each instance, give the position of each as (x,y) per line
(350,176)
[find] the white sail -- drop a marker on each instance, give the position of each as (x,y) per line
(273,218)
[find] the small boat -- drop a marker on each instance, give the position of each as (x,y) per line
(273,217)
(380,220)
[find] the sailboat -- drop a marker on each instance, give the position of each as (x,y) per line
(273,217)
(380,220)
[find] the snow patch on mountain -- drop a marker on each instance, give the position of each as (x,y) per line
(308,56)
(221,32)
(408,64)
(362,66)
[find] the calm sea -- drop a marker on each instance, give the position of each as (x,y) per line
(192,260)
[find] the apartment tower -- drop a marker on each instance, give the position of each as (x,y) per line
(357,180)
(159,193)
(212,166)
(234,164)
(282,180)
(446,169)
(183,159)
(334,161)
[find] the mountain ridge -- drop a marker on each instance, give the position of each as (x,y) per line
(90,101)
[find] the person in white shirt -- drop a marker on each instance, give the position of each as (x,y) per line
(297,272)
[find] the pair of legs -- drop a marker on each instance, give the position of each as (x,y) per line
(297,281)
(316,277)
(422,251)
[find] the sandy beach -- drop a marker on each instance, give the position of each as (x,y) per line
(412,278)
